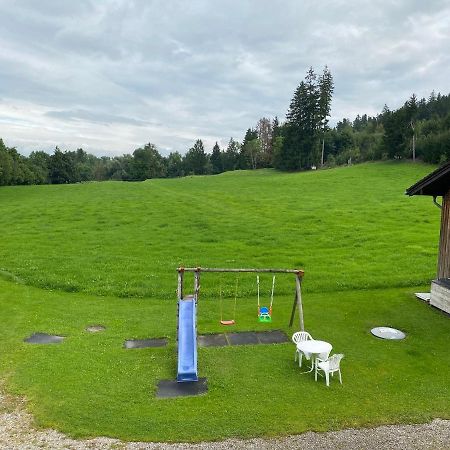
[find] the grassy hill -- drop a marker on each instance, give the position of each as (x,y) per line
(349,228)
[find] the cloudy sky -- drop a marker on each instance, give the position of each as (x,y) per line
(112,75)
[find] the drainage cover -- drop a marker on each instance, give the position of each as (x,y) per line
(43,338)
(95,328)
(387,333)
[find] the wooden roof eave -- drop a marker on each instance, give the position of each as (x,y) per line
(436,183)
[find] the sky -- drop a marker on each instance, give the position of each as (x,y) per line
(110,76)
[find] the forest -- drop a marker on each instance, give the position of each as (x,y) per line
(420,129)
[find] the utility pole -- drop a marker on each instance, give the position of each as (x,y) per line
(413,142)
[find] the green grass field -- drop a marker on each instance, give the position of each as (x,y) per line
(348,228)
(106,253)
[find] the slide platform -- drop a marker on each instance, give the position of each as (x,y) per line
(187,340)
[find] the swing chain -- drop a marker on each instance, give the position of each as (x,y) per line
(233,320)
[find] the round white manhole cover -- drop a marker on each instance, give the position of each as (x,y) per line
(387,333)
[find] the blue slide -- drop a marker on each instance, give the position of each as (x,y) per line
(187,340)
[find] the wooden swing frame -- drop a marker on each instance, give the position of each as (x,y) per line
(198,270)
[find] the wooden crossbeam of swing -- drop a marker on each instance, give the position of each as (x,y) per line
(209,269)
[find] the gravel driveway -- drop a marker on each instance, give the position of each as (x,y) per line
(17,433)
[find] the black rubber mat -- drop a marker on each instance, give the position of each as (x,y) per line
(144,343)
(172,388)
(212,340)
(43,338)
(272,337)
(243,338)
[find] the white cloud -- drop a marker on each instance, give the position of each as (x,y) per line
(111,75)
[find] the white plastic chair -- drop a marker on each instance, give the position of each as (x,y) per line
(330,365)
(300,336)
(323,356)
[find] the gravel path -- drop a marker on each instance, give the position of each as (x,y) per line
(17,433)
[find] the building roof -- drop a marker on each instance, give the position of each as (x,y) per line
(436,183)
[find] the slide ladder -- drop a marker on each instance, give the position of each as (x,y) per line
(187,340)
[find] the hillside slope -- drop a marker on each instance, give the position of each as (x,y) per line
(349,227)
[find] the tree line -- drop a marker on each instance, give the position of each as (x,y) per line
(145,162)
(420,129)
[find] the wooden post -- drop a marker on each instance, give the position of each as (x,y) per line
(298,294)
(180,283)
(294,306)
(196,284)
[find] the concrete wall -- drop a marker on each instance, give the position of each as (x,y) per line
(440,295)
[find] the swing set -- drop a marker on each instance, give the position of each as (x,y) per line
(264,312)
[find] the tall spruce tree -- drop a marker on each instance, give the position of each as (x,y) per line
(326,87)
(216,159)
(291,156)
(276,128)
(196,160)
(231,155)
(306,119)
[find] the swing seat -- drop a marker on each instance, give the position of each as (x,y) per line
(265,318)
(264,314)
(227,322)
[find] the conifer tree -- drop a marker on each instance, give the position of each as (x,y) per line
(307,118)
(216,159)
(326,88)
(196,160)
(231,156)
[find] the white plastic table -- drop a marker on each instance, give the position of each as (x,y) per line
(314,348)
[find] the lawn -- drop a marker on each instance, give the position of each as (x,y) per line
(350,227)
(106,253)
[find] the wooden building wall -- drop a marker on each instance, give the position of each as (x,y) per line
(440,296)
(444,245)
